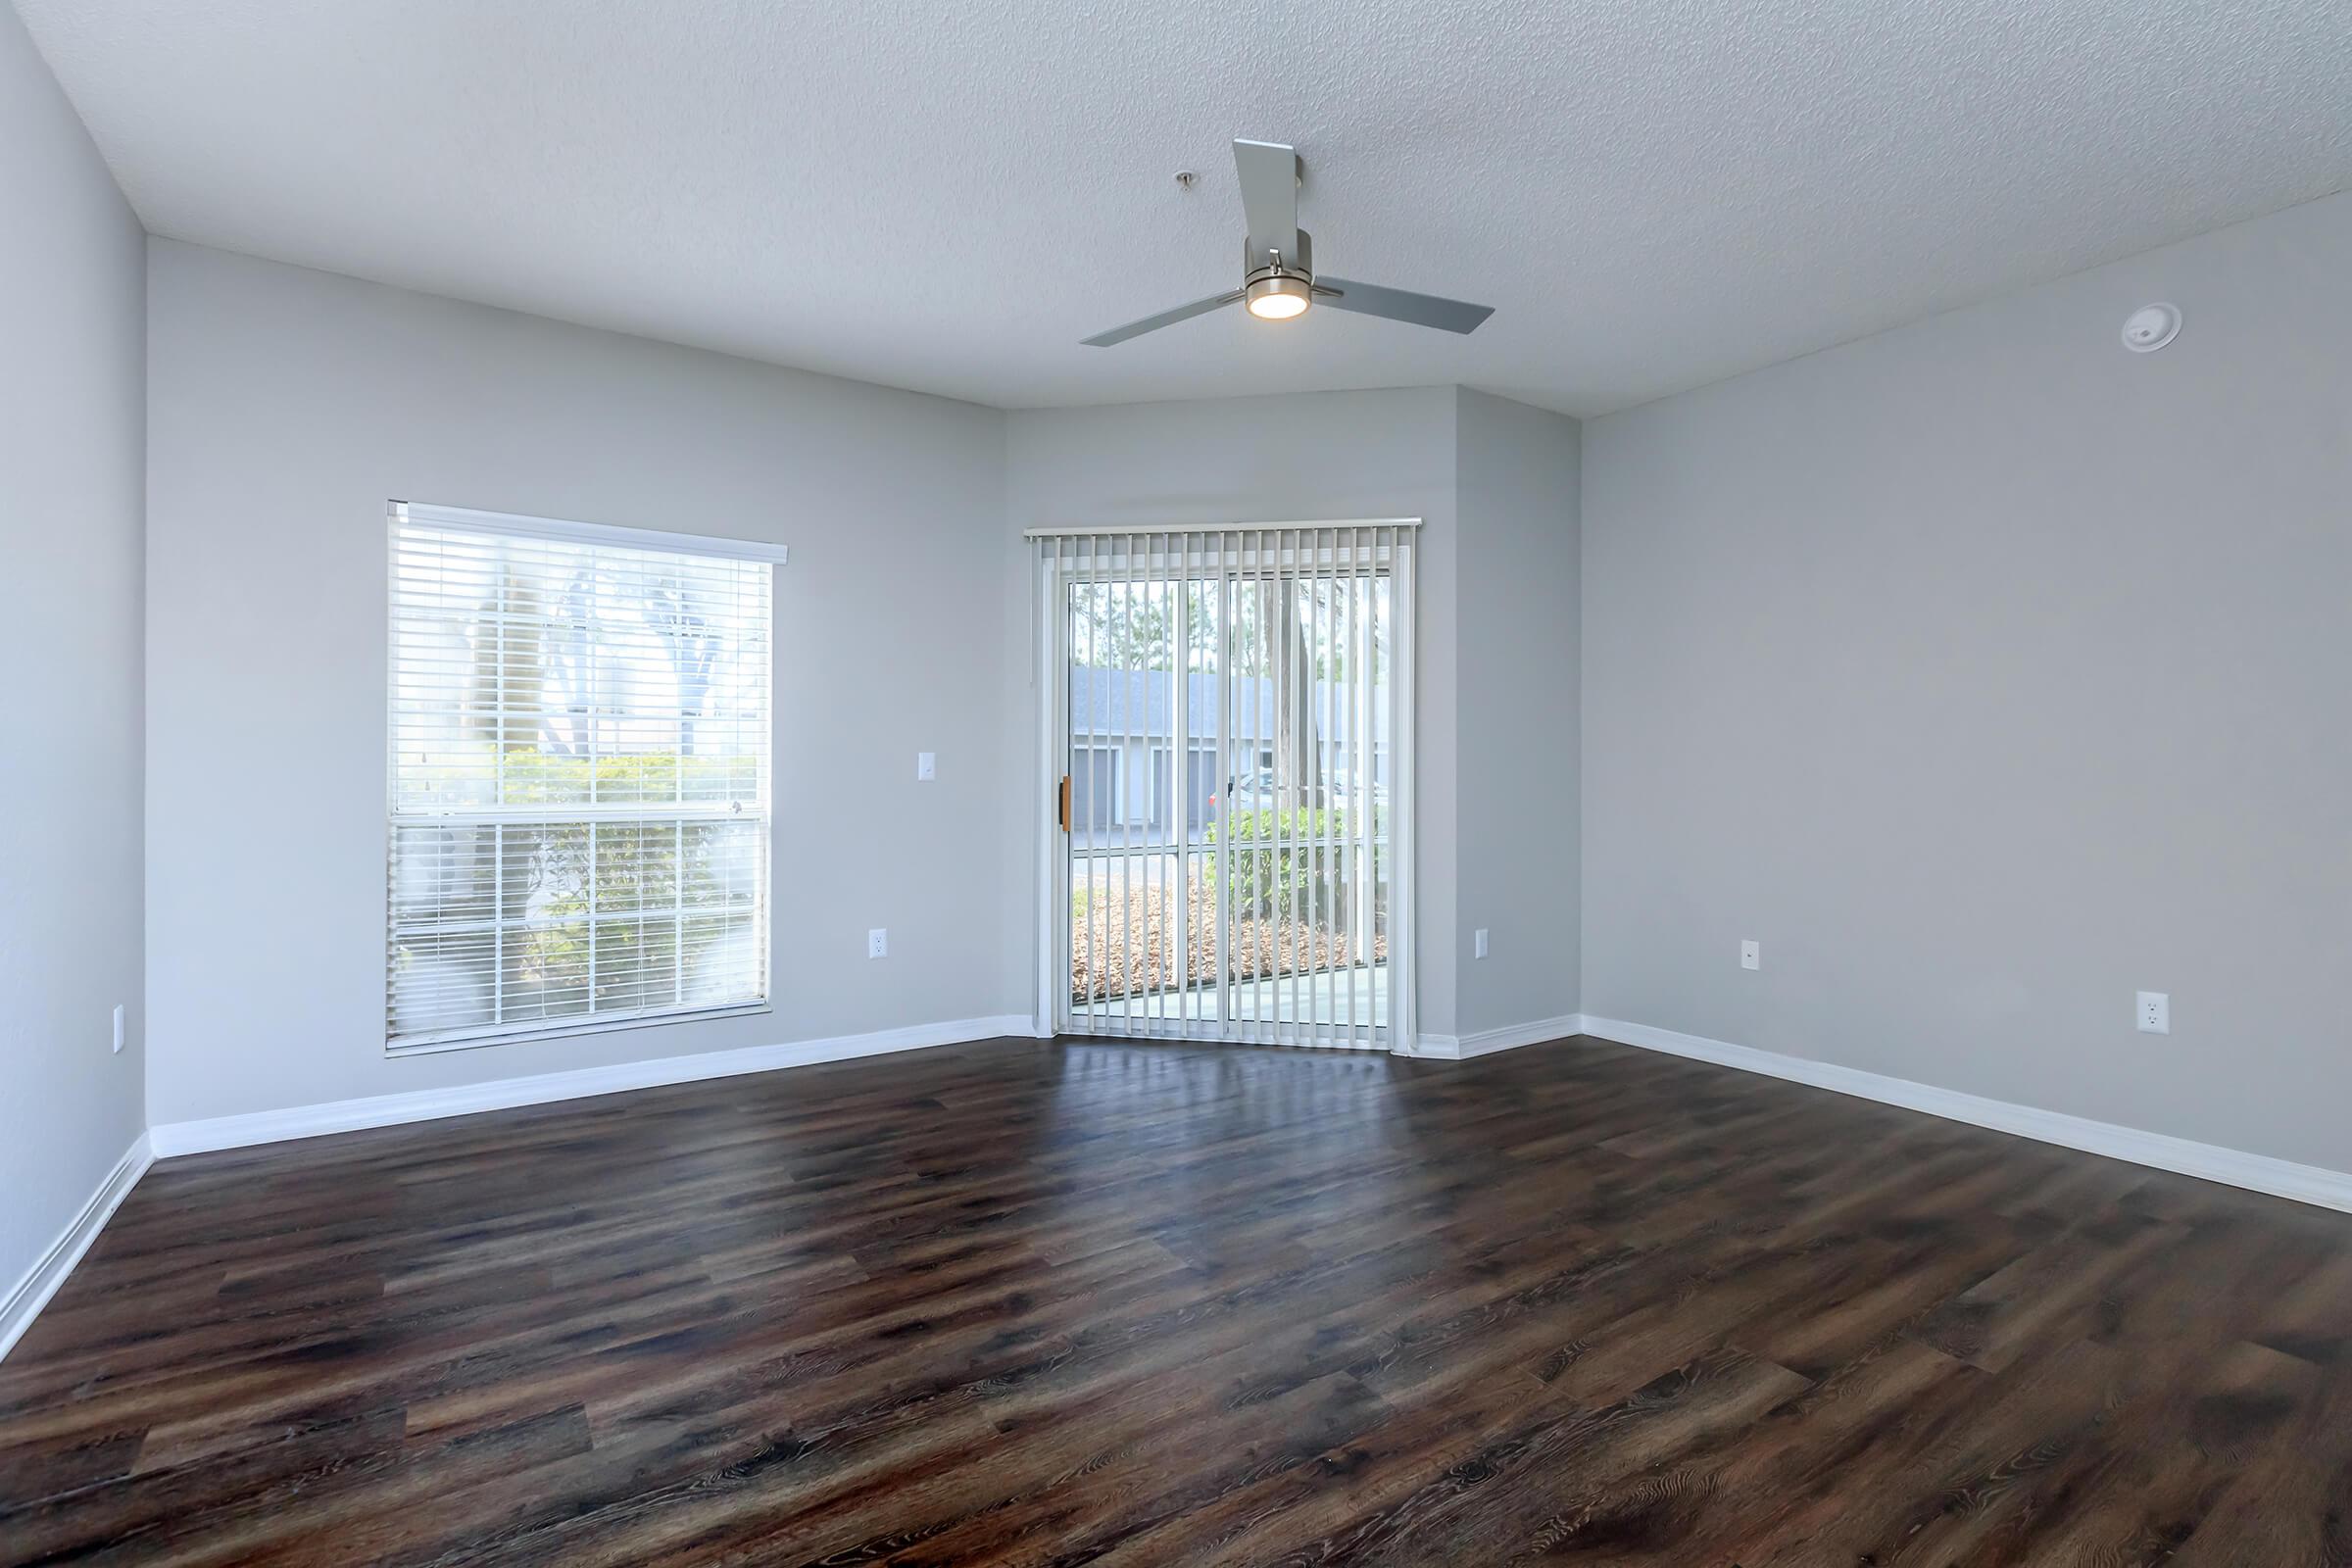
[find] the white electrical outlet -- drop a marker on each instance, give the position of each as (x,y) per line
(878,942)
(1751,954)
(2155,1012)
(1478,943)
(926,766)
(117,1027)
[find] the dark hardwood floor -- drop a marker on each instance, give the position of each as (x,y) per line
(1136,1305)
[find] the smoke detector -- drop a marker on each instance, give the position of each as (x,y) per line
(2151,327)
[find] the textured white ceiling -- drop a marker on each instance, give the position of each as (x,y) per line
(1653,193)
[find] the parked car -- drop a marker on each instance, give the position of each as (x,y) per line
(1256,791)
(1252,792)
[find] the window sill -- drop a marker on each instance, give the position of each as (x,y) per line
(565,1029)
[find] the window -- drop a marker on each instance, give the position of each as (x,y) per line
(579,776)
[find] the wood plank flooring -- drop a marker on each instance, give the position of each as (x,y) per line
(1142,1305)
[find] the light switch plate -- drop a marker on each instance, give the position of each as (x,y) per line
(926,766)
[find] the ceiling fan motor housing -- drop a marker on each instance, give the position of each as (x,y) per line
(1256,267)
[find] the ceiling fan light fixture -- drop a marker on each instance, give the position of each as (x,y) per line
(1279,280)
(1280,297)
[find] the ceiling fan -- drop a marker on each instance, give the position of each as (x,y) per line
(1278,268)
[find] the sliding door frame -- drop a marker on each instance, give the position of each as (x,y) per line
(1178,553)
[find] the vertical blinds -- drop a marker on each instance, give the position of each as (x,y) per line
(1231,726)
(579,776)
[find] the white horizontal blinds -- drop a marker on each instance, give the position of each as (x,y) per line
(1236,724)
(580,778)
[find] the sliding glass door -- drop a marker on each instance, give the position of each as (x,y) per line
(1227,722)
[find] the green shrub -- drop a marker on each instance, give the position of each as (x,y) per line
(1272,875)
(631,877)
(534,777)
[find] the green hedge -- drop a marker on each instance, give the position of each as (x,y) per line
(1273,876)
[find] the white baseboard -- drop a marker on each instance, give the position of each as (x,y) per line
(2257,1173)
(1460,1048)
(430,1105)
(25,1301)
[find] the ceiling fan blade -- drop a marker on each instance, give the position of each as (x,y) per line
(1269,174)
(1401,305)
(1153,324)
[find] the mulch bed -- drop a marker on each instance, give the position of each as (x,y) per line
(1111,958)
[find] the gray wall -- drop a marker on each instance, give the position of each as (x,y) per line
(286,408)
(72,301)
(1517,706)
(1987,672)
